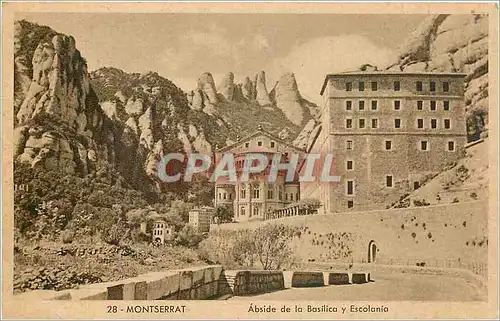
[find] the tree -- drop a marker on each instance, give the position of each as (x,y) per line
(201,191)
(181,208)
(223,213)
(188,237)
(272,245)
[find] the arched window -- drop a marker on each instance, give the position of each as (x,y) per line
(256,191)
(243,191)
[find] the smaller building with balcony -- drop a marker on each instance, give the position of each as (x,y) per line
(162,232)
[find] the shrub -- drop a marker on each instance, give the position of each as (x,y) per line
(421,203)
(267,247)
(272,245)
(188,237)
(223,213)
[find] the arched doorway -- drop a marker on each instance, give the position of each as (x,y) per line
(372,252)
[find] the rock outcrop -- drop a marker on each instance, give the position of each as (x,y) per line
(227,87)
(307,135)
(287,97)
(453,43)
(261,93)
(204,97)
(59,104)
(247,88)
(72,121)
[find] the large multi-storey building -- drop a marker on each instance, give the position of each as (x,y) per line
(252,199)
(389,131)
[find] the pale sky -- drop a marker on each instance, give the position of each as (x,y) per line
(182,46)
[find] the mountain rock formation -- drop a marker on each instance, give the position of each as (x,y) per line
(261,93)
(287,98)
(282,111)
(76,121)
(453,43)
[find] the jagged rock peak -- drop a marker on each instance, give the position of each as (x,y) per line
(288,99)
(206,84)
(261,93)
(248,89)
(227,86)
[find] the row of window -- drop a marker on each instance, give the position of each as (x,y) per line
(419,86)
(270,194)
(389,182)
(259,143)
(160,232)
(388,145)
(433,124)
(256,211)
(224,196)
(397,105)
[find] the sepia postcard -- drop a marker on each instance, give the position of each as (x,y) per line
(249,160)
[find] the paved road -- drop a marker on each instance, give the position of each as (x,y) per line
(385,287)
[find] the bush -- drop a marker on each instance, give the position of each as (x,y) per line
(223,213)
(267,247)
(188,237)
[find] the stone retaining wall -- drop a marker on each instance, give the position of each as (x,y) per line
(187,284)
(210,282)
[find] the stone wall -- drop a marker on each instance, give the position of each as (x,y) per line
(446,236)
(188,284)
(202,283)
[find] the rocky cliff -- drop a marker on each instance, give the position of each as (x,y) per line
(58,121)
(73,120)
(453,43)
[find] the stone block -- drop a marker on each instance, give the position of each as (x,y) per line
(198,276)
(141,290)
(161,284)
(338,278)
(184,294)
(217,271)
(129,290)
(287,277)
(307,279)
(358,278)
(185,279)
(115,292)
(211,289)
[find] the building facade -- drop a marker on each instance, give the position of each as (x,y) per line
(389,132)
(162,232)
(253,199)
(200,219)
